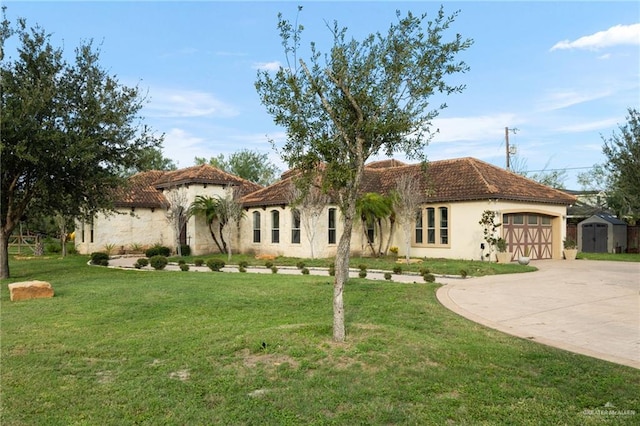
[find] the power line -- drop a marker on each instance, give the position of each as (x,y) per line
(558,170)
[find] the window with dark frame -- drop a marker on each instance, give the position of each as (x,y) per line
(295,227)
(275,226)
(256,227)
(332,226)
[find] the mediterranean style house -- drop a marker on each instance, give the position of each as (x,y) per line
(452,196)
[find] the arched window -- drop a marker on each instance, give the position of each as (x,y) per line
(256,227)
(419,227)
(295,227)
(275,226)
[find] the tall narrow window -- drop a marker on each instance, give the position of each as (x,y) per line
(371,232)
(444,225)
(431,225)
(332,226)
(256,227)
(419,227)
(295,227)
(91,231)
(82,231)
(275,226)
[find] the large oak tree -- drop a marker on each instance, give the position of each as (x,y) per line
(68,131)
(360,99)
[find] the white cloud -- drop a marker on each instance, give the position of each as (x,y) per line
(563,99)
(182,147)
(472,128)
(267,66)
(187,103)
(588,126)
(614,36)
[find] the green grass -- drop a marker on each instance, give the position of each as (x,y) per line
(436,266)
(118,347)
(618,257)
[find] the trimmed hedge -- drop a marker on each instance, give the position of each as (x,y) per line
(158,262)
(100,258)
(215,264)
(158,251)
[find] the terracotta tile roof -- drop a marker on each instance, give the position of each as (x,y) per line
(461,179)
(272,195)
(140,191)
(144,189)
(204,174)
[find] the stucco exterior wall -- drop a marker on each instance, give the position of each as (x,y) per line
(122,229)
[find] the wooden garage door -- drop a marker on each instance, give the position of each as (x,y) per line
(528,231)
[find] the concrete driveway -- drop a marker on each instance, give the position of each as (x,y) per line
(583,306)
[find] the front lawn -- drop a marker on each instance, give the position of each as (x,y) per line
(117,347)
(385,263)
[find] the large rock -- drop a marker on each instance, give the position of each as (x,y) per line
(30,290)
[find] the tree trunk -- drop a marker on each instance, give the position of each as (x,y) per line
(215,240)
(4,254)
(63,240)
(341,277)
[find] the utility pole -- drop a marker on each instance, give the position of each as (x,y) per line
(506,141)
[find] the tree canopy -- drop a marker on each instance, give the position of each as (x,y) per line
(247,164)
(68,131)
(360,99)
(623,164)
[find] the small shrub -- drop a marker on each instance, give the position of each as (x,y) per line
(463,273)
(158,262)
(53,247)
(394,250)
(182,262)
(274,269)
(300,265)
(198,262)
(184,267)
(387,276)
(141,263)
(243,264)
(100,258)
(158,250)
(362,273)
(397,269)
(185,250)
(305,271)
(424,271)
(242,269)
(332,269)
(215,264)
(428,277)
(268,264)
(362,267)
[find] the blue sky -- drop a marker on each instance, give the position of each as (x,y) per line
(562,73)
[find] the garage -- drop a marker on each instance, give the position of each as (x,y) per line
(528,234)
